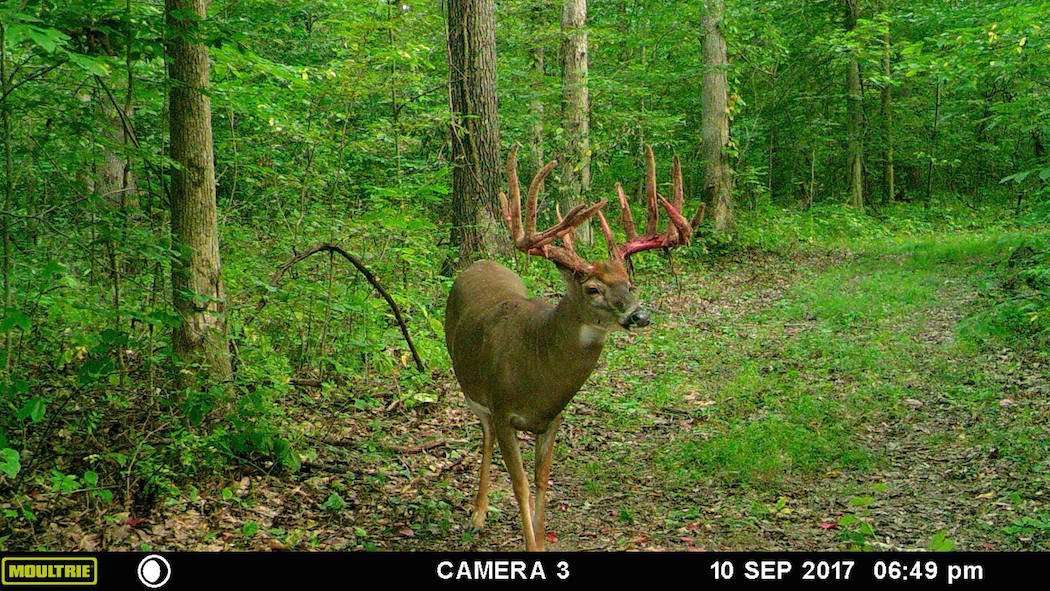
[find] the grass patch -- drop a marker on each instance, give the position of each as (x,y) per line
(807,437)
(836,357)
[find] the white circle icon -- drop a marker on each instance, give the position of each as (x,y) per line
(154,571)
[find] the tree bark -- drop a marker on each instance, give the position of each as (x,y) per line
(933,143)
(855,115)
(576,180)
(476,169)
(887,118)
(536,106)
(200,340)
(718,178)
(115,186)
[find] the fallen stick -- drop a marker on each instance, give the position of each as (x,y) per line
(414,449)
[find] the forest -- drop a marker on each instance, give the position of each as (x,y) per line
(230,230)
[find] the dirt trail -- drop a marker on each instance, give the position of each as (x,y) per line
(394,479)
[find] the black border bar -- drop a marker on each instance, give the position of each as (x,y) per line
(330,570)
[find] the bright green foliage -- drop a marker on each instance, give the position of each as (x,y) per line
(331,124)
(9,462)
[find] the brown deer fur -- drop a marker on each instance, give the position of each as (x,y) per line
(520,361)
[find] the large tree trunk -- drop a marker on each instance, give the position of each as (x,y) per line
(200,339)
(718,180)
(855,122)
(576,180)
(476,176)
(887,118)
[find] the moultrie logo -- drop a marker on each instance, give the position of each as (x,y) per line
(48,570)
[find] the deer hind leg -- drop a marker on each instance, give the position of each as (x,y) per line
(481,501)
(544,456)
(508,445)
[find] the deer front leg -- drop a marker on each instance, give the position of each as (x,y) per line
(508,445)
(544,455)
(481,501)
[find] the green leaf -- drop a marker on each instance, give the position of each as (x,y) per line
(334,503)
(90,478)
(33,409)
(862,501)
(63,483)
(287,455)
(940,542)
(9,462)
(91,65)
(14,318)
(47,39)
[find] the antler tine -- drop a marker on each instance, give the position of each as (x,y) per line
(534,192)
(625,213)
(650,190)
(678,197)
(679,231)
(610,241)
(678,222)
(699,217)
(512,207)
(504,210)
(541,244)
(566,238)
(563,256)
(574,218)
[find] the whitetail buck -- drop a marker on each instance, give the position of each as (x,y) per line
(521,360)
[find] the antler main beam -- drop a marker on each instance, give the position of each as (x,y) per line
(526,239)
(679,231)
(541,244)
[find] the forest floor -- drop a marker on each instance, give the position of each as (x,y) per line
(808,402)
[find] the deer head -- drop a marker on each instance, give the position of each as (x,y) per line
(603,290)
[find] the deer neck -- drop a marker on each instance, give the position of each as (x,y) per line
(575,343)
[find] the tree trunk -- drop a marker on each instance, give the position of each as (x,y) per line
(812,192)
(476,167)
(536,108)
(576,180)
(887,117)
(115,186)
(718,180)
(855,123)
(200,340)
(933,143)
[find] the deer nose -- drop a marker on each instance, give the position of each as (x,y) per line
(639,318)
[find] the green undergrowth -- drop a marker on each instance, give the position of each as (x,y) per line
(821,368)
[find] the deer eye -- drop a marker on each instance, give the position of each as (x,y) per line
(591,290)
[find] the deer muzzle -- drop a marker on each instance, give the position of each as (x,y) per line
(637,319)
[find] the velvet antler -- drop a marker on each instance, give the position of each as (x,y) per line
(541,244)
(679,231)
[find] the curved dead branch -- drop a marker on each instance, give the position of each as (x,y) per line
(360,266)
